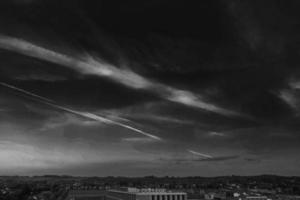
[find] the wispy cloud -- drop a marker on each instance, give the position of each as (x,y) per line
(66,120)
(156,117)
(19,156)
(87,115)
(163,119)
(294,84)
(137,139)
(15,154)
(213,133)
(40,77)
(86,64)
(214,159)
(289,98)
(219,158)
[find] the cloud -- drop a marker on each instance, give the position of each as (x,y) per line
(219,158)
(255,160)
(40,77)
(164,119)
(25,156)
(137,139)
(288,97)
(294,84)
(214,159)
(21,157)
(213,133)
(68,120)
(87,64)
(149,112)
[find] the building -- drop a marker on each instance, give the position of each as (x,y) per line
(144,194)
(288,197)
(86,195)
(209,196)
(256,198)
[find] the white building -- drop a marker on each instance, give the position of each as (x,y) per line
(144,194)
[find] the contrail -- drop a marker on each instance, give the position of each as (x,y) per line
(199,154)
(25,92)
(88,115)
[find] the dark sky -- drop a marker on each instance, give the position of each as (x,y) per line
(160,87)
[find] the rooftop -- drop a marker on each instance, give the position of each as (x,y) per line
(146,191)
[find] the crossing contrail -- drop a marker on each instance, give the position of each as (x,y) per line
(87,115)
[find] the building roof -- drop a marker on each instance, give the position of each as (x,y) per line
(146,191)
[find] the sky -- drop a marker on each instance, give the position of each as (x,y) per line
(161,87)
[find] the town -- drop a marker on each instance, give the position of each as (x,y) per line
(50,187)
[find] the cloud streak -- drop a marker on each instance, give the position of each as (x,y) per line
(219,158)
(87,64)
(214,159)
(218,134)
(87,115)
